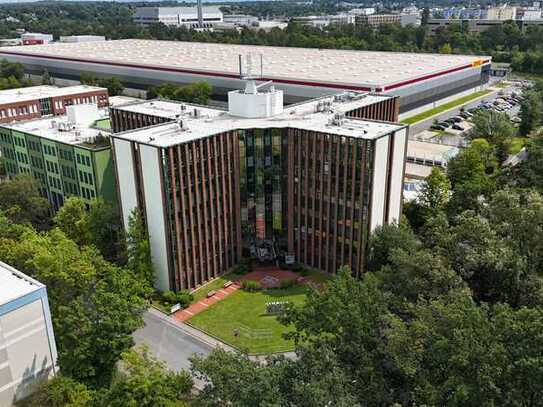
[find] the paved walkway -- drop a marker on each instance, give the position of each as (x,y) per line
(196,308)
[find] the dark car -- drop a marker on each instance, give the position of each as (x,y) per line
(457,119)
(444,124)
(438,127)
(457,127)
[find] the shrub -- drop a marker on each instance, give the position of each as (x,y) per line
(241,269)
(305,272)
(250,285)
(182,297)
(285,284)
(169,297)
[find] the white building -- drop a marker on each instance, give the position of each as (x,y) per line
(501,13)
(36,38)
(240,19)
(27,344)
(362,11)
(177,16)
(82,38)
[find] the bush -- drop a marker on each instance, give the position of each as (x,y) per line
(285,284)
(182,297)
(241,269)
(250,285)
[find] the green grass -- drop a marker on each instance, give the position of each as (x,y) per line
(450,105)
(216,284)
(501,85)
(516,144)
(103,124)
(246,312)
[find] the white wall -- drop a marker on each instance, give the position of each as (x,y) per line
(379,183)
(396,184)
(154,214)
(127,179)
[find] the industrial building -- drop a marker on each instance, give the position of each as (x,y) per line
(37,101)
(301,73)
(28,352)
(68,155)
(177,16)
(309,180)
(375,20)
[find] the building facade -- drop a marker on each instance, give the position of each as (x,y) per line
(67,155)
(38,101)
(213,186)
(28,352)
(375,20)
(177,16)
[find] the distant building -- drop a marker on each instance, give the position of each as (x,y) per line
(472,25)
(36,38)
(324,21)
(82,38)
(37,101)
(529,13)
(362,11)
(177,16)
(375,20)
(28,352)
(68,155)
(240,19)
(501,13)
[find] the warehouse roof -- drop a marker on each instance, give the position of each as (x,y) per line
(42,92)
(14,284)
(304,66)
(209,122)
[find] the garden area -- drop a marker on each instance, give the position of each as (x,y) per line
(242,321)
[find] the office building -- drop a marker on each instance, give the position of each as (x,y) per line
(311,180)
(68,155)
(82,38)
(301,73)
(36,38)
(38,101)
(28,352)
(500,13)
(375,20)
(177,16)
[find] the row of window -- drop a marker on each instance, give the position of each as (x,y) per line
(83,160)
(18,111)
(87,193)
(86,177)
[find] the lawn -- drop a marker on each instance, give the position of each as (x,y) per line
(516,144)
(216,284)
(245,313)
(103,124)
(444,107)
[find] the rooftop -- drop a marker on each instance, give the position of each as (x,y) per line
(41,92)
(208,121)
(310,66)
(14,284)
(59,128)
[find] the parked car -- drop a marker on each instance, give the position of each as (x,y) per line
(457,119)
(457,127)
(438,127)
(444,124)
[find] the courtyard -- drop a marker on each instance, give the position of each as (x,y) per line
(241,319)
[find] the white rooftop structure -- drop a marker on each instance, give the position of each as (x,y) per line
(300,66)
(72,128)
(41,92)
(82,38)
(193,122)
(14,284)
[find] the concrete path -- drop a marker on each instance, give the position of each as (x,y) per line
(196,308)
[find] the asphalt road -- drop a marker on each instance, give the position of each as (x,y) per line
(172,343)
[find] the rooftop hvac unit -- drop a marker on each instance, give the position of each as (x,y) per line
(53,124)
(197,113)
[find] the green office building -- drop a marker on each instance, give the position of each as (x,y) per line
(68,155)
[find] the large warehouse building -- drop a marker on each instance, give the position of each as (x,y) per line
(310,180)
(300,72)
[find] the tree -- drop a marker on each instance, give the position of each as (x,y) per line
(105,229)
(46,78)
(531,112)
(496,128)
(436,191)
(198,92)
(445,49)
(73,219)
(139,248)
(10,69)
(20,198)
(142,381)
(387,238)
(113,85)
(60,391)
